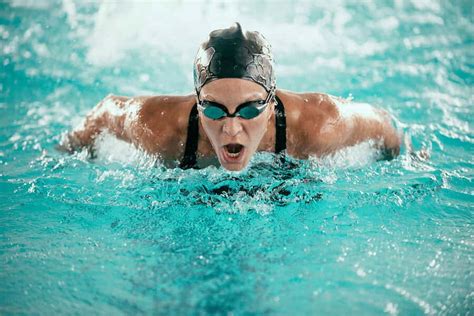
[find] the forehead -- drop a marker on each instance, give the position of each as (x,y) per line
(233,88)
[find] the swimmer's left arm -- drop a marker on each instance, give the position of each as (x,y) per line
(359,122)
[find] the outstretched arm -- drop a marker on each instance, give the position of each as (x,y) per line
(156,124)
(360,122)
(117,115)
(331,123)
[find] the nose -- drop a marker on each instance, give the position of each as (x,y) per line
(232,126)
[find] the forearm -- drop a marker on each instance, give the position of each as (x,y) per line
(378,128)
(109,115)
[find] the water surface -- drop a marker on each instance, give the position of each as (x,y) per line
(345,234)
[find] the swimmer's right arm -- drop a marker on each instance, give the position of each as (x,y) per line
(114,114)
(156,124)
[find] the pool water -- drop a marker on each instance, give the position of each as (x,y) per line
(121,234)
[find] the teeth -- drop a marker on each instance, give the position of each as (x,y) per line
(233,155)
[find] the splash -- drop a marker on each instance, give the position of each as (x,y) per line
(110,149)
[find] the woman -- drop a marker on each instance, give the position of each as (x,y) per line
(236,112)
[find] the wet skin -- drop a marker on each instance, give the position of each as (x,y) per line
(317,125)
(248,133)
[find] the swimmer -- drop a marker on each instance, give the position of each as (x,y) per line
(236,110)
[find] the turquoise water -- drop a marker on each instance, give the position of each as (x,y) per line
(342,235)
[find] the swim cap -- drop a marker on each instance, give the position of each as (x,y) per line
(229,53)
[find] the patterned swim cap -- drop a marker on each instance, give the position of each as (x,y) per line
(229,53)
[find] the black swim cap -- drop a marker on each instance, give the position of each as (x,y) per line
(229,53)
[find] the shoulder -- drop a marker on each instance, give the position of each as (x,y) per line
(170,111)
(164,121)
(312,120)
(169,103)
(299,106)
(157,123)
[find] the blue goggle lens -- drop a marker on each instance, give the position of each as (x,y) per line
(249,112)
(215,111)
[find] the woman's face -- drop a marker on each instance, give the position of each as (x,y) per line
(234,139)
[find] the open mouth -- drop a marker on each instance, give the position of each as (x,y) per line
(232,152)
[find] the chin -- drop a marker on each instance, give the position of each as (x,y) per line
(233,167)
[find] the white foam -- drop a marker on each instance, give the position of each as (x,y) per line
(391,309)
(426,5)
(70,8)
(243,203)
(110,149)
(389,24)
(121,28)
(424,305)
(359,155)
(33,4)
(124,176)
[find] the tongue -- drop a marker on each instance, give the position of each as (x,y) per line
(234,148)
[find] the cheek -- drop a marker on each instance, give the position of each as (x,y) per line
(257,128)
(212,128)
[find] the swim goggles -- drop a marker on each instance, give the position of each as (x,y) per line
(247,110)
